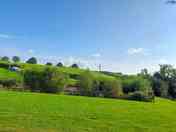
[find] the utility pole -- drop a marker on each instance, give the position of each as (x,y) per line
(100,67)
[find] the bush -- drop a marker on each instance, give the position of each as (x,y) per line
(133,84)
(111,88)
(140,96)
(9,83)
(90,86)
(53,81)
(47,80)
(86,83)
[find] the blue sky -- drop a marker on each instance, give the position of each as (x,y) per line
(122,35)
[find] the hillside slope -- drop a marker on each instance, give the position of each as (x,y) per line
(23,112)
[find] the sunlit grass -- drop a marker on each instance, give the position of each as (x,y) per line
(60,113)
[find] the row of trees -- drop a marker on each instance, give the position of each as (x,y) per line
(33,60)
(163,81)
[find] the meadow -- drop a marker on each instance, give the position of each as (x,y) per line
(31,112)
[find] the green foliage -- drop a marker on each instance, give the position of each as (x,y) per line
(111,88)
(49,64)
(53,81)
(32,60)
(9,83)
(91,86)
(140,96)
(59,64)
(86,83)
(164,82)
(5,58)
(75,66)
(16,59)
(47,80)
(136,83)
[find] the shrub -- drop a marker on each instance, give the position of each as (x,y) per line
(140,96)
(111,88)
(86,83)
(32,79)
(47,80)
(53,81)
(9,83)
(132,84)
(90,86)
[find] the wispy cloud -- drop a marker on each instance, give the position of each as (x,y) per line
(96,55)
(30,51)
(5,36)
(163,61)
(137,51)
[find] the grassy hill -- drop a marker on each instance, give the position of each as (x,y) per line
(6,74)
(72,72)
(29,112)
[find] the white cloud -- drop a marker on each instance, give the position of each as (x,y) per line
(96,55)
(163,61)
(30,51)
(5,36)
(134,51)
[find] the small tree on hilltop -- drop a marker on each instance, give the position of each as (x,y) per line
(5,58)
(75,66)
(16,59)
(32,60)
(59,64)
(49,64)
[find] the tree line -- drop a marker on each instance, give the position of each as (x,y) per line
(33,60)
(143,86)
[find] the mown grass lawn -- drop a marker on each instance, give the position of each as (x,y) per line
(32,112)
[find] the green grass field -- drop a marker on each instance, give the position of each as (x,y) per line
(6,74)
(32,112)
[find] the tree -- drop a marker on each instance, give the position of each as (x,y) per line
(16,59)
(75,66)
(49,64)
(86,83)
(48,80)
(32,60)
(111,88)
(59,64)
(5,58)
(164,81)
